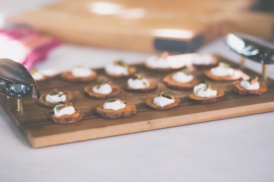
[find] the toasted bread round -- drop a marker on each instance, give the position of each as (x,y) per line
(70,77)
(89,92)
(237,76)
(151,104)
(129,110)
(152,86)
(242,91)
(197,99)
(67,119)
(131,71)
(42,100)
(178,85)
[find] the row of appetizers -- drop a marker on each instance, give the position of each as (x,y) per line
(115,108)
(120,69)
(181,79)
(64,113)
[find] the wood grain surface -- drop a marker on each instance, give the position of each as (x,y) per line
(136,25)
(41,131)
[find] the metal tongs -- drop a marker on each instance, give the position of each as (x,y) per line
(17,82)
(253,48)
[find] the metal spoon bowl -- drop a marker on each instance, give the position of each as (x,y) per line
(16,81)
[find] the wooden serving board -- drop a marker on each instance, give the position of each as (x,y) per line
(41,132)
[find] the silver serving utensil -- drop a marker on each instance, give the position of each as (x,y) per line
(17,82)
(253,48)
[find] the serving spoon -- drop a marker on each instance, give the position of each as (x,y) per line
(17,82)
(253,48)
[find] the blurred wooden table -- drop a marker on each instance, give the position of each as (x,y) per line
(148,26)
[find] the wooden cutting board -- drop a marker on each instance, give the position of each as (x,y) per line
(41,132)
(149,26)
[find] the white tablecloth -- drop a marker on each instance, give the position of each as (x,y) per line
(236,149)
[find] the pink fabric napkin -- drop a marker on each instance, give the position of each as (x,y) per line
(25,45)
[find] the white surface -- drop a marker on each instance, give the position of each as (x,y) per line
(237,149)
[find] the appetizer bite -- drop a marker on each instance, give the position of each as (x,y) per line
(160,63)
(102,90)
(180,80)
(80,74)
(119,69)
(65,114)
(205,93)
(250,87)
(165,100)
(38,75)
(224,72)
(115,108)
(204,60)
(54,97)
(137,83)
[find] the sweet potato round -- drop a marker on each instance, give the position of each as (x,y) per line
(88,91)
(129,110)
(150,103)
(242,91)
(70,77)
(197,99)
(42,100)
(178,85)
(67,119)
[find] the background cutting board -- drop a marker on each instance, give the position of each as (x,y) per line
(41,132)
(150,25)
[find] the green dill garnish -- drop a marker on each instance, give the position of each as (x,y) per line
(112,99)
(208,85)
(62,106)
(54,92)
(121,62)
(100,82)
(224,65)
(185,71)
(59,107)
(168,94)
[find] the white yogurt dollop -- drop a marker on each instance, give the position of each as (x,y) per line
(202,59)
(219,71)
(201,91)
(138,83)
(222,71)
(247,85)
(162,101)
(58,97)
(116,105)
(103,89)
(116,69)
(182,77)
(157,62)
(81,71)
(68,110)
